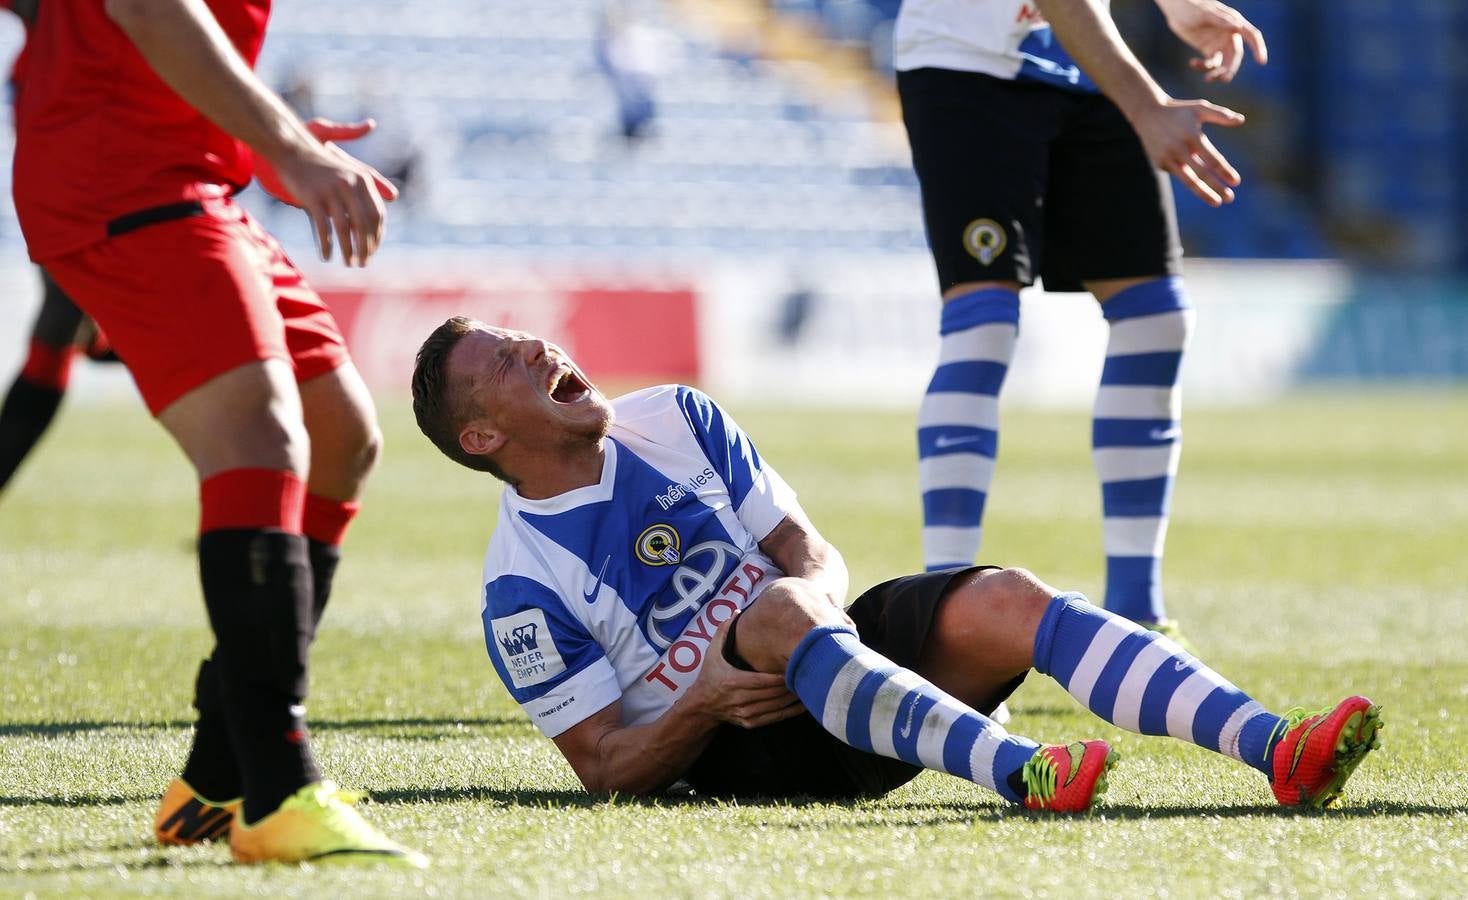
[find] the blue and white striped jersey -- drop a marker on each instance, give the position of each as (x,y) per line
(1005,38)
(614,590)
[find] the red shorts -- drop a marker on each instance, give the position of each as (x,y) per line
(188,299)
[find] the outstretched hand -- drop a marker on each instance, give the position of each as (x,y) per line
(1172,134)
(1218,32)
(747,699)
(339,193)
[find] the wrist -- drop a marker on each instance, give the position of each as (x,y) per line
(1169,7)
(1144,100)
(285,141)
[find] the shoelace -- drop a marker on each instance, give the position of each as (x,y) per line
(335,804)
(1040,776)
(1291,719)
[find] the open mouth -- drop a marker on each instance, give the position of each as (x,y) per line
(567,387)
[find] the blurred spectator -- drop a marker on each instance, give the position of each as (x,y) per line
(632,54)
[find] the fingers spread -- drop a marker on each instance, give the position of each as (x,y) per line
(1192,182)
(374,219)
(321,222)
(1231,58)
(1218,115)
(1212,159)
(1255,39)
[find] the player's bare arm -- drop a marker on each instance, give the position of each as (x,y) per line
(1171,130)
(184,44)
(640,759)
(799,550)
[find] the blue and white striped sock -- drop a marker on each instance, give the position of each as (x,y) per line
(1136,437)
(871,703)
(958,423)
(1139,680)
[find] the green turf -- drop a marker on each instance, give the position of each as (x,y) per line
(1318,549)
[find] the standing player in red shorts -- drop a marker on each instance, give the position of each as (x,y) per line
(59,334)
(139,120)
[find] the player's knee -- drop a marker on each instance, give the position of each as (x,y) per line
(282,441)
(1011,591)
(799,607)
(779,619)
(368,450)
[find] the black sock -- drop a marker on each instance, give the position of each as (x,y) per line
(324,560)
(257,586)
(212,770)
(24,417)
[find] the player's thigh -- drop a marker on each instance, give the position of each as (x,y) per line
(922,622)
(979,147)
(338,409)
(1109,214)
(983,631)
(246,418)
(342,424)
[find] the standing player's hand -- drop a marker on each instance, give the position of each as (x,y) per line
(1172,134)
(1216,31)
(339,193)
(747,699)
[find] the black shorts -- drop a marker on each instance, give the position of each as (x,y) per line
(1023,180)
(798,757)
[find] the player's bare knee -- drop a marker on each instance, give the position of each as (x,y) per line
(771,628)
(276,442)
(367,450)
(1010,592)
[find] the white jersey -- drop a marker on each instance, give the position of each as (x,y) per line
(1005,38)
(614,590)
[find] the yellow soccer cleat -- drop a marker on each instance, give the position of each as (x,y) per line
(317,824)
(186,818)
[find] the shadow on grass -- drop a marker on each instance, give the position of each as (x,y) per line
(443,724)
(922,813)
(160,858)
(80,800)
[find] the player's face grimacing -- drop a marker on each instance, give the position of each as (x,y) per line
(527,391)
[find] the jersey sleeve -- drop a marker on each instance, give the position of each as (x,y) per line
(546,658)
(760,496)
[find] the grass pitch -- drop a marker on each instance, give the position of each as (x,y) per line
(1318,548)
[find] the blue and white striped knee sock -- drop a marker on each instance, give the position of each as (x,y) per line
(958,423)
(1139,680)
(871,703)
(1136,437)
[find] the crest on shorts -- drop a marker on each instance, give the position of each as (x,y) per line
(659,545)
(984,239)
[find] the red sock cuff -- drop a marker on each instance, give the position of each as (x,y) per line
(252,498)
(326,520)
(47,366)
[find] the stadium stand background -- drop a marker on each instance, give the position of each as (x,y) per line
(767,205)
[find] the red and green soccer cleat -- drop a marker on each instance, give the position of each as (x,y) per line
(1318,751)
(186,818)
(1068,777)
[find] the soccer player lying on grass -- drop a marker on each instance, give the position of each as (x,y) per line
(658,602)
